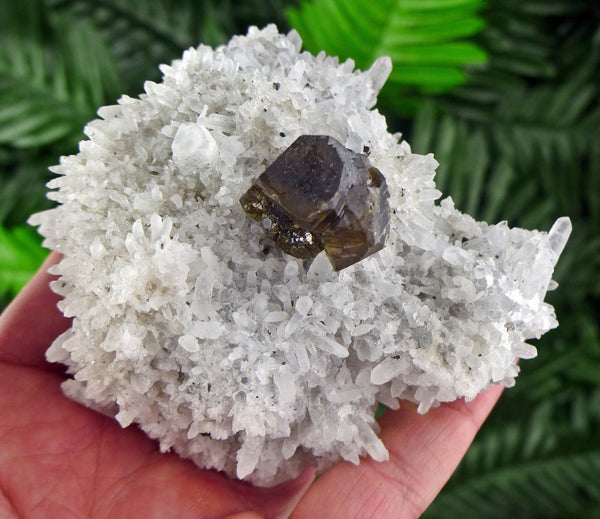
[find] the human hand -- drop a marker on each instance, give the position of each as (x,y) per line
(61,460)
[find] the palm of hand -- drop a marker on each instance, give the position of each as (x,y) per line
(61,460)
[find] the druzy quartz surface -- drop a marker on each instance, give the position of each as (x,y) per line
(192,324)
(319,195)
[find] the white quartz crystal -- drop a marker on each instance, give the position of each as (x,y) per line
(190,323)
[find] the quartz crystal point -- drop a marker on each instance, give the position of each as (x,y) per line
(320,195)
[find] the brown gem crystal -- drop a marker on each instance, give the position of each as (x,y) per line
(319,195)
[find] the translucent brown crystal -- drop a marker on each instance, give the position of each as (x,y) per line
(319,195)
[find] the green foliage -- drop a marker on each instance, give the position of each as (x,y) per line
(53,75)
(425,39)
(141,35)
(23,175)
(524,148)
(20,256)
(542,463)
(505,93)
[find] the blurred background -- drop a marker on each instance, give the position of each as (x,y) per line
(505,93)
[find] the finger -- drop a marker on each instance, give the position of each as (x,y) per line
(32,321)
(424,451)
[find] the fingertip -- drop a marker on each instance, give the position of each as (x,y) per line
(424,451)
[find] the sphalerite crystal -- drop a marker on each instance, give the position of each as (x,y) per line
(320,195)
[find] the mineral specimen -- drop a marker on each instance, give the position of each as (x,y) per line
(320,195)
(230,352)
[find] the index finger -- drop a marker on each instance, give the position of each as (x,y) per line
(424,451)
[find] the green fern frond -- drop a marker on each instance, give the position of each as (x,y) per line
(545,465)
(53,75)
(23,174)
(521,37)
(548,7)
(539,489)
(20,256)
(141,35)
(541,168)
(555,119)
(427,41)
(542,135)
(527,155)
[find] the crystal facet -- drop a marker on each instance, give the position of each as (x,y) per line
(320,195)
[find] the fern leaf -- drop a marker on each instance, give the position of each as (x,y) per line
(20,256)
(53,75)
(544,141)
(427,41)
(520,37)
(542,463)
(142,35)
(550,7)
(23,175)
(540,489)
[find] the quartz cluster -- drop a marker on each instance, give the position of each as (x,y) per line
(191,324)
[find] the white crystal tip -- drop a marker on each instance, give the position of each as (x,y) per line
(559,234)
(379,72)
